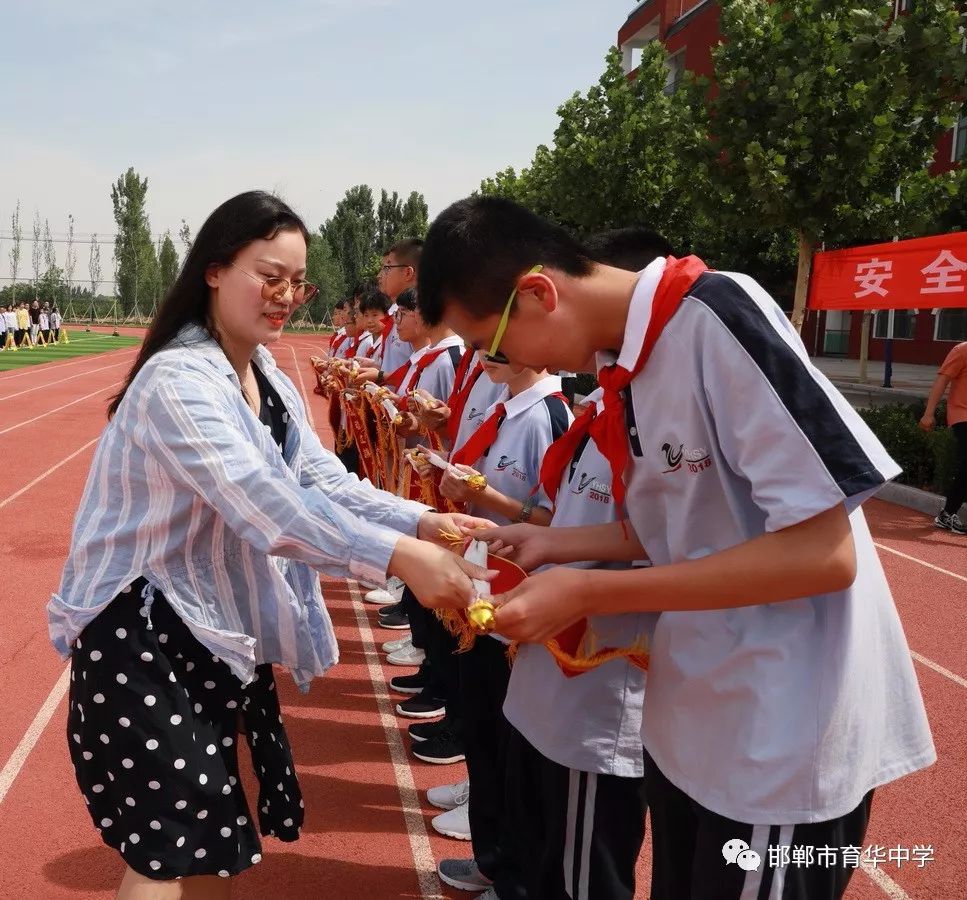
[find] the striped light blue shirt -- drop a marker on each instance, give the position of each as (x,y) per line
(188,489)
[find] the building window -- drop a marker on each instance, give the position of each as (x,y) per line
(685,7)
(960,136)
(901,6)
(676,68)
(950,325)
(904,324)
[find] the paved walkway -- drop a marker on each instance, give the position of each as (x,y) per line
(910,382)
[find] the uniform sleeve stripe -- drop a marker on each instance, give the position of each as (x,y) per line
(812,409)
(456,354)
(558,412)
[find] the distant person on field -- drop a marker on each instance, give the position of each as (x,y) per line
(56,320)
(34,320)
(952,372)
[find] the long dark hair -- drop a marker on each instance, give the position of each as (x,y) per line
(248,217)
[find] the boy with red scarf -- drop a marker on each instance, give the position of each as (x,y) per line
(781,691)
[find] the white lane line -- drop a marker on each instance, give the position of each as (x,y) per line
(921,562)
(939,669)
(59,408)
(884,882)
(430,887)
(302,387)
(57,364)
(27,743)
(60,381)
(43,475)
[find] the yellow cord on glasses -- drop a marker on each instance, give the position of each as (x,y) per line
(505,318)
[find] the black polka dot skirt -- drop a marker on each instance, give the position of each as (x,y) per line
(153,725)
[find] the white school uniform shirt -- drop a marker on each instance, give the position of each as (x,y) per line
(44,321)
(395,351)
(780,713)
(483,395)
(364,344)
(188,489)
(55,320)
(437,378)
(591,722)
(533,420)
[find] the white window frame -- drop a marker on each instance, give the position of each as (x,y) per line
(961,125)
(674,79)
(936,326)
(891,315)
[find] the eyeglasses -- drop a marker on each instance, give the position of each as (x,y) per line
(275,286)
(402,313)
(386,266)
(493,355)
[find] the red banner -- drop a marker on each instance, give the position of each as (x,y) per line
(922,273)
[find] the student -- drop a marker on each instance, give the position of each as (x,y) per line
(953,371)
(583,755)
(10,320)
(22,336)
(34,314)
(173,603)
(372,311)
(44,325)
(742,470)
(397,274)
(338,324)
(56,320)
(507,447)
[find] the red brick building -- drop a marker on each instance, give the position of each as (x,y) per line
(689,29)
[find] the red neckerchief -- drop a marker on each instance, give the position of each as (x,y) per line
(377,345)
(462,386)
(608,429)
(337,341)
(481,440)
(418,368)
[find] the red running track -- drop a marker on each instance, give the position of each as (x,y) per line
(367,829)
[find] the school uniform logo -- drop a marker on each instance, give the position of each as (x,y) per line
(673,457)
(676,458)
(505,463)
(596,489)
(474,413)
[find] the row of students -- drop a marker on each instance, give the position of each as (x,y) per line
(781,692)
(17,328)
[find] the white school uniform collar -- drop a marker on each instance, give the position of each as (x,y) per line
(514,406)
(454,340)
(639,316)
(392,310)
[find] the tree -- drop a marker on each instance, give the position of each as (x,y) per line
(70,259)
(184,233)
(37,249)
(389,220)
(826,118)
(50,256)
(17,235)
(94,268)
(324,270)
(416,216)
(167,264)
(137,265)
(352,232)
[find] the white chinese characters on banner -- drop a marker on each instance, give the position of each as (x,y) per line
(871,275)
(945,275)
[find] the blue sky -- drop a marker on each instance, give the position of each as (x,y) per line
(305,97)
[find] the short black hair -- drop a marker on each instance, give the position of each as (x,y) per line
(407,251)
(477,248)
(362,287)
(374,299)
(408,299)
(627,248)
(340,304)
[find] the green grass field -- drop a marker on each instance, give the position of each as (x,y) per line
(81,344)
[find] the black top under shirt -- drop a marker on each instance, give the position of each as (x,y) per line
(272,411)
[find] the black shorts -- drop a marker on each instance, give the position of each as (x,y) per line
(152,728)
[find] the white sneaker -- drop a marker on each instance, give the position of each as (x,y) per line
(406,656)
(454,823)
(369,585)
(449,796)
(380,596)
(398,644)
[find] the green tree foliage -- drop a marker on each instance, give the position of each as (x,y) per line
(416,217)
(352,232)
(137,263)
(825,109)
(167,264)
(324,269)
(389,218)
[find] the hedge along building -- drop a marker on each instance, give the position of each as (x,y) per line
(690,30)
